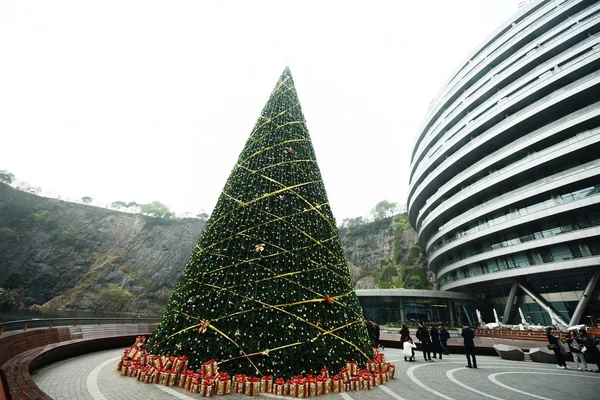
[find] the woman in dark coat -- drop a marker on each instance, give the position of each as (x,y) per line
(404,334)
(556,345)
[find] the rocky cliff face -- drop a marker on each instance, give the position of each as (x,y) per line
(386,254)
(63,255)
(74,256)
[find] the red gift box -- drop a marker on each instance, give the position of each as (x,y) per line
(170,362)
(181,380)
(150,376)
(311,386)
(164,377)
(368,380)
(172,379)
(145,359)
(181,364)
(239,384)
(279,389)
(135,373)
(129,370)
(209,367)
(206,387)
(355,383)
(298,388)
(380,378)
(345,374)
(252,387)
(134,353)
(123,367)
(352,367)
(323,384)
(192,378)
(142,375)
(324,372)
(223,384)
(160,361)
(266,384)
(336,384)
(390,370)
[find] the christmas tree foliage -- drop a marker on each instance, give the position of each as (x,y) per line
(267,290)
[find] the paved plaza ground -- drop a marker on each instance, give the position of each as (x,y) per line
(94,376)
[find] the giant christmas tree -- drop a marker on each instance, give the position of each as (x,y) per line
(267,290)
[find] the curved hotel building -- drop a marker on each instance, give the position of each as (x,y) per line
(505,170)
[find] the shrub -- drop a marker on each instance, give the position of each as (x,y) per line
(115,295)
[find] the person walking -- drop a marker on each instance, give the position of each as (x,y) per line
(555,344)
(425,339)
(590,347)
(444,336)
(436,346)
(468,335)
(575,346)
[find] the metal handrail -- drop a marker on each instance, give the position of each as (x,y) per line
(52,322)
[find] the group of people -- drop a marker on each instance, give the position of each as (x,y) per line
(579,343)
(433,339)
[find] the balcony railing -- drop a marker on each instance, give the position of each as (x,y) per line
(471,271)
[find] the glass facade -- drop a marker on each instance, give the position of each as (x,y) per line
(396,310)
(562,292)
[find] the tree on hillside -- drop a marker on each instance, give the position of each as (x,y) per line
(202,215)
(86,200)
(156,209)
(26,187)
(6,177)
(118,205)
(267,290)
(132,206)
(354,222)
(384,209)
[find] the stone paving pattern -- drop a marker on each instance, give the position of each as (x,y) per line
(77,378)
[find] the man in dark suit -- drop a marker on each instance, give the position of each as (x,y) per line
(468,334)
(425,339)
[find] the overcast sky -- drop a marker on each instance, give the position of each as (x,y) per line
(154,100)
